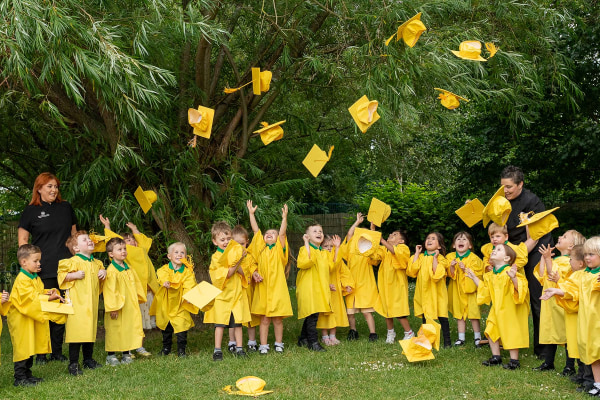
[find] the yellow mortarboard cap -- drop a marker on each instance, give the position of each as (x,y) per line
(365,241)
(261,82)
(491,47)
(417,349)
(409,31)
(449,99)
(316,159)
(57,308)
(378,212)
(188,261)
(201,120)
(145,198)
(471,213)
(497,209)
(469,50)
(364,113)
(248,386)
(431,330)
(270,133)
(99,241)
(540,223)
(202,295)
(232,254)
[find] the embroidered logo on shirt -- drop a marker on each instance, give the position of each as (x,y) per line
(43,215)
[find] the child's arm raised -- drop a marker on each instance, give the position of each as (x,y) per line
(283,228)
(469,272)
(512,273)
(529,242)
(359,219)
(133,227)
(251,210)
(546,260)
(337,242)
(105,222)
(548,293)
(418,249)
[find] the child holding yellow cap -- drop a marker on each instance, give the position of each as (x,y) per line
(552,318)
(462,292)
(431,294)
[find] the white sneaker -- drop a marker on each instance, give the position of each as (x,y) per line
(112,360)
(391,337)
(279,349)
(409,335)
(263,349)
(143,352)
(126,359)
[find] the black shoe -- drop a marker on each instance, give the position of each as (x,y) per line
(181,353)
(568,371)
(373,337)
(25,382)
(493,360)
(352,334)
(544,367)
(302,342)
(252,348)
(447,345)
(586,387)
(316,346)
(75,370)
(35,379)
(58,357)
(240,353)
(540,356)
(231,348)
(594,391)
(512,364)
(40,360)
(577,379)
(91,364)
(165,352)
(218,355)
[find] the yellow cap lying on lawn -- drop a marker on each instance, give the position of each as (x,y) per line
(540,223)
(378,212)
(497,209)
(364,112)
(471,213)
(419,348)
(410,31)
(248,386)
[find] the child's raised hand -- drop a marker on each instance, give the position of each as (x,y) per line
(102,274)
(418,249)
(548,293)
(167,284)
(5,297)
(133,227)
(546,251)
(251,207)
(284,211)
(337,241)
(105,222)
(332,287)
(305,238)
(359,218)
(114,314)
(512,272)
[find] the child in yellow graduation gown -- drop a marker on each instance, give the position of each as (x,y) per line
(271,298)
(4,306)
(340,284)
(171,310)
(138,246)
(393,283)
(586,291)
(229,308)
(499,234)
(462,292)
(431,295)
(508,317)
(552,316)
(27,323)
(312,286)
(123,293)
(80,277)
(365,297)
(249,265)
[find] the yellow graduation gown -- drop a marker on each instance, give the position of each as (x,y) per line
(571,313)
(365,295)
(587,292)
(520,249)
(27,323)
(84,295)
(339,275)
(392,281)
(249,265)
(3,310)
(552,316)
(431,294)
(232,300)
(168,304)
(271,297)
(462,291)
(123,292)
(312,283)
(508,316)
(138,260)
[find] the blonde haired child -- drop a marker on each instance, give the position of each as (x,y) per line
(462,292)
(508,292)
(80,277)
(171,310)
(229,309)
(499,235)
(271,298)
(340,284)
(123,294)
(393,283)
(586,291)
(431,294)
(552,316)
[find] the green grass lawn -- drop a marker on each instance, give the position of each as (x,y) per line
(352,370)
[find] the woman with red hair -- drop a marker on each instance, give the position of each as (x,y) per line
(49,222)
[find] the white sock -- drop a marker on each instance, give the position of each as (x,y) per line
(325,337)
(597,385)
(461,336)
(251,342)
(477,335)
(391,331)
(278,344)
(231,343)
(332,336)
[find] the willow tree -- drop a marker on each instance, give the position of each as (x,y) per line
(99,91)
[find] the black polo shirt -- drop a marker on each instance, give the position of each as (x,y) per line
(49,226)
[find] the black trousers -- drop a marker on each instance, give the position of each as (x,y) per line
(23,369)
(550,353)
(57,331)
(87,349)
(167,335)
(535,291)
(309,329)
